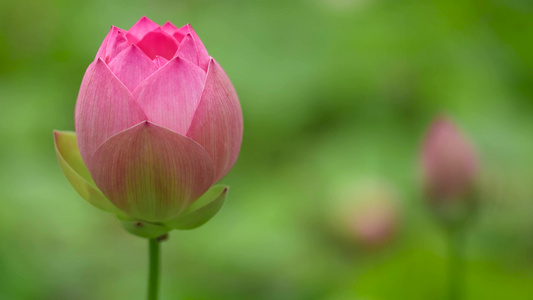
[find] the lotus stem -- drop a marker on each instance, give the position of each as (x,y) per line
(456,268)
(153,278)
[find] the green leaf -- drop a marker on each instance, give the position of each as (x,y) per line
(143,228)
(202,210)
(77,173)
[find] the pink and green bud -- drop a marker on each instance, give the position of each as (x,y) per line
(375,223)
(449,163)
(450,168)
(158,122)
(368,215)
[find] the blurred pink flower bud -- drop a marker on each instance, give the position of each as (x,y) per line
(449,163)
(158,121)
(374,223)
(369,214)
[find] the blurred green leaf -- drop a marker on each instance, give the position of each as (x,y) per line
(77,174)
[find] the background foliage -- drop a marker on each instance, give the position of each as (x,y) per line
(336,95)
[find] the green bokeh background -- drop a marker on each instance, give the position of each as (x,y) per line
(336,96)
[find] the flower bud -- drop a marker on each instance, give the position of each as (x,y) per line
(369,215)
(158,122)
(450,167)
(375,223)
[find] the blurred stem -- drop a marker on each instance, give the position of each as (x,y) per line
(456,271)
(153,279)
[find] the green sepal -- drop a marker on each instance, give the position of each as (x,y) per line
(78,175)
(202,210)
(142,228)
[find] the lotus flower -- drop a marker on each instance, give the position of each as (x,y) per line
(158,122)
(449,162)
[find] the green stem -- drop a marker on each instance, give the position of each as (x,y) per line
(456,271)
(153,279)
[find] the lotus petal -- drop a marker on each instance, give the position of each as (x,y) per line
(105,107)
(217,123)
(187,50)
(152,173)
(170,96)
(132,66)
(203,56)
(158,43)
(169,28)
(116,44)
(103,47)
(140,29)
(180,34)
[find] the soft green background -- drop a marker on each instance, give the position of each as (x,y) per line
(336,95)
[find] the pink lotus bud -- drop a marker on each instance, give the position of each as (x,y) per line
(375,223)
(369,214)
(158,121)
(449,163)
